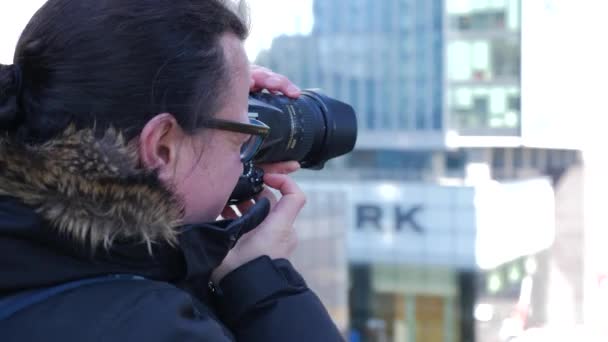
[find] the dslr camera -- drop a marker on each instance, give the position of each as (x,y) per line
(310,129)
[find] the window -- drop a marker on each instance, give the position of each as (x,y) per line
(438,21)
(370,96)
(437,118)
(534,158)
(488,110)
(484,60)
(353,90)
(498,158)
(506,58)
(514,103)
(514,15)
(384,104)
(403,112)
(337,86)
(480,104)
(518,158)
(459,61)
(420,115)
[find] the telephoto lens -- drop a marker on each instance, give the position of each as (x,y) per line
(310,129)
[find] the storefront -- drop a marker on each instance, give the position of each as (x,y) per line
(403,303)
(434,263)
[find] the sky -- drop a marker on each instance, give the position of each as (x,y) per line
(13,18)
(269,19)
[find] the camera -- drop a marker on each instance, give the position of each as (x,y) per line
(310,129)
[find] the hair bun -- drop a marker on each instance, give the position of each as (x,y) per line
(10,90)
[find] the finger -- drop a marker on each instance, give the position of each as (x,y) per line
(291,90)
(256,68)
(268,194)
(258,72)
(259,76)
(244,206)
(229,213)
(265,79)
(283,183)
(282,167)
(292,199)
(268,80)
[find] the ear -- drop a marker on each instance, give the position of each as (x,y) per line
(158,144)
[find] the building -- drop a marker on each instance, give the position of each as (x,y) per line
(424,257)
(451,96)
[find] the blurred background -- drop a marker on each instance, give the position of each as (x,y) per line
(472,208)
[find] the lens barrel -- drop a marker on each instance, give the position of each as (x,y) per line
(310,129)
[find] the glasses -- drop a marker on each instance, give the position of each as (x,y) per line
(257,130)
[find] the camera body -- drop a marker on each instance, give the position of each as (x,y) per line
(310,129)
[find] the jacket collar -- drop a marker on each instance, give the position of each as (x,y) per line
(82,202)
(91,189)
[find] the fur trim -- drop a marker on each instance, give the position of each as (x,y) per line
(90,189)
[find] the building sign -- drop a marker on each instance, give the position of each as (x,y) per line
(417,224)
(371,215)
(468,227)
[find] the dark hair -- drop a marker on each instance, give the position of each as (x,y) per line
(117,63)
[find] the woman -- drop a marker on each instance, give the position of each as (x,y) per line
(111,161)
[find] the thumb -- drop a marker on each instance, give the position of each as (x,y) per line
(292,200)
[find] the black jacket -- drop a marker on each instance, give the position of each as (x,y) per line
(59,224)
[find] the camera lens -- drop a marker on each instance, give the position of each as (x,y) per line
(310,129)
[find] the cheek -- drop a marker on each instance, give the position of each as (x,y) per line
(227,174)
(207,188)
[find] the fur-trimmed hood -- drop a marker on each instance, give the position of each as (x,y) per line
(90,188)
(79,206)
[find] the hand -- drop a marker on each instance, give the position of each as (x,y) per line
(275,236)
(264,78)
(284,168)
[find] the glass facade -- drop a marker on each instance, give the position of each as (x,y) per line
(413,65)
(484,67)
(383,57)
